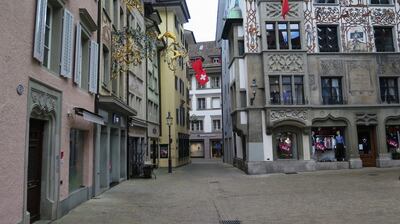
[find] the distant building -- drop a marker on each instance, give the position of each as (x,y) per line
(316,90)
(205,116)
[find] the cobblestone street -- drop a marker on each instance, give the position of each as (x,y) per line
(208,192)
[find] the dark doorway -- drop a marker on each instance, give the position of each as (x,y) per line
(35,168)
(367,145)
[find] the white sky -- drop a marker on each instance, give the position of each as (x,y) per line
(203,20)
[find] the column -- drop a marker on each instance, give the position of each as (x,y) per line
(351,143)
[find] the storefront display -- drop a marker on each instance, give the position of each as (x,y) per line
(328,144)
(393,141)
(286,148)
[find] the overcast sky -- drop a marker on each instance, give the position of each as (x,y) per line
(203,20)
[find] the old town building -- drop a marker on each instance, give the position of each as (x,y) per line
(206,119)
(316,90)
(173,84)
(47,107)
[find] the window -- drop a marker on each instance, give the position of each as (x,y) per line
(216,103)
(76,147)
(286,90)
(216,60)
(286,146)
(176,83)
(389,90)
(47,38)
(283,35)
(380,2)
(241,47)
(177,116)
(85,48)
(201,103)
(325,1)
(383,39)
(331,91)
(181,87)
(106,65)
(216,125)
(215,82)
(197,125)
(198,86)
(328,39)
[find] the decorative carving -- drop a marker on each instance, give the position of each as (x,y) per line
(360,77)
(252,27)
(313,84)
(383,16)
(286,63)
(274,10)
(389,66)
(327,14)
(366,119)
(289,114)
(332,67)
(45,102)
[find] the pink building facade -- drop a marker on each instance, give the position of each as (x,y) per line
(49,66)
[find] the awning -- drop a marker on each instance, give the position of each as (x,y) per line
(112,103)
(89,116)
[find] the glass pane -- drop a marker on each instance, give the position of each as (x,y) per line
(274,90)
(287,89)
(283,36)
(271,36)
(286,145)
(76,160)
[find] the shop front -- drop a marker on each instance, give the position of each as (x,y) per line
(328,144)
(287,143)
(393,141)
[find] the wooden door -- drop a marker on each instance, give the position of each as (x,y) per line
(367,145)
(35,168)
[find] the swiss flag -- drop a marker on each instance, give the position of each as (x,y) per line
(201,75)
(285,8)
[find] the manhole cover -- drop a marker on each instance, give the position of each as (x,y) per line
(229,222)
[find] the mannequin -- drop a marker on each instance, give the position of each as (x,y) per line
(340,153)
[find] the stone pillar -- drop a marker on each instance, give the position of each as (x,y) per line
(352,146)
(384,156)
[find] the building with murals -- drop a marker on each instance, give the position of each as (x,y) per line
(316,90)
(206,117)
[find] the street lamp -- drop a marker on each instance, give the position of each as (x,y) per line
(169,123)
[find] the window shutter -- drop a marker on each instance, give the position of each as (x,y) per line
(66,50)
(78,56)
(38,46)
(93,69)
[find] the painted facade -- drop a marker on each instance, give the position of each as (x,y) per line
(206,122)
(320,86)
(173,87)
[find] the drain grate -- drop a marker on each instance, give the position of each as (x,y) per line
(288,173)
(229,222)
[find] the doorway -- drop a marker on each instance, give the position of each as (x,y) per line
(367,145)
(36,129)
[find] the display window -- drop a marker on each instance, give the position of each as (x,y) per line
(328,144)
(286,147)
(393,141)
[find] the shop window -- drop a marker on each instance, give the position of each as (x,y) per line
(331,91)
(286,145)
(389,90)
(383,39)
(393,141)
(283,35)
(328,39)
(328,144)
(290,92)
(76,148)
